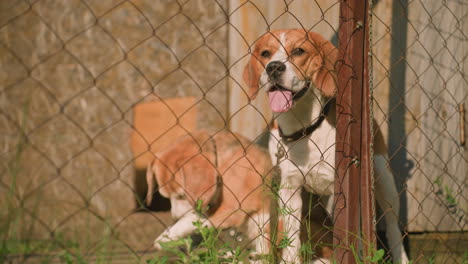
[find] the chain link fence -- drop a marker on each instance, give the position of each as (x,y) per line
(91,92)
(419,69)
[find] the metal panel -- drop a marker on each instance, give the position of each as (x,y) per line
(352,146)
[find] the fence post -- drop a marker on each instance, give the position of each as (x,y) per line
(353,214)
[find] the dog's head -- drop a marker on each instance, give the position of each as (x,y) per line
(286,63)
(184,173)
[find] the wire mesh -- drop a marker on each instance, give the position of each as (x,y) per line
(417,99)
(91,92)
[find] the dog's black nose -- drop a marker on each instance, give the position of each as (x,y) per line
(275,68)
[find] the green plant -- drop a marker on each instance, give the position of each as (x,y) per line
(209,250)
(16,243)
(10,218)
(376,256)
(285,241)
(447,197)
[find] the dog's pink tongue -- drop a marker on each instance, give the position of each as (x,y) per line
(280,101)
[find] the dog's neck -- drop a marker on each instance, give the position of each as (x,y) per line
(304,113)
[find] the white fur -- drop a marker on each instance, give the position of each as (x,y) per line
(183,227)
(321,261)
(183,212)
(387,198)
(313,155)
(310,163)
(179,205)
(256,226)
(289,78)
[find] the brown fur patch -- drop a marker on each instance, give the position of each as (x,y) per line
(190,165)
(317,63)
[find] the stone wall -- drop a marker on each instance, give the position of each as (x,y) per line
(70,74)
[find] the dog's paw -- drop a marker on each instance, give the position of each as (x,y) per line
(404,259)
(255,257)
(289,257)
(157,246)
(161,239)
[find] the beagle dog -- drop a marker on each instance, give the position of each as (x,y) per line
(297,70)
(219,180)
(222,180)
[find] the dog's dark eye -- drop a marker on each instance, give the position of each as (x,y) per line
(265,54)
(297,52)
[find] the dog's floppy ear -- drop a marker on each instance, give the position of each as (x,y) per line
(188,165)
(196,169)
(158,173)
(166,168)
(151,182)
(252,76)
(325,77)
(199,177)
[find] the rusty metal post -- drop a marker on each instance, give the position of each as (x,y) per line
(353,214)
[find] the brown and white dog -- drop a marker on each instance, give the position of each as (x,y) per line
(189,171)
(223,174)
(297,70)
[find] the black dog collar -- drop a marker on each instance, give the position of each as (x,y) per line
(308,130)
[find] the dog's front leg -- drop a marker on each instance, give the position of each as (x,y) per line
(291,210)
(183,227)
(388,200)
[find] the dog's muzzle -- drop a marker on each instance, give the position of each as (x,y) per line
(274,70)
(281,99)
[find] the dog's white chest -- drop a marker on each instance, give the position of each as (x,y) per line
(309,162)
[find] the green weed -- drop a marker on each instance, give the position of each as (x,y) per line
(209,250)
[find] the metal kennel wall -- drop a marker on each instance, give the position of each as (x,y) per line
(90,89)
